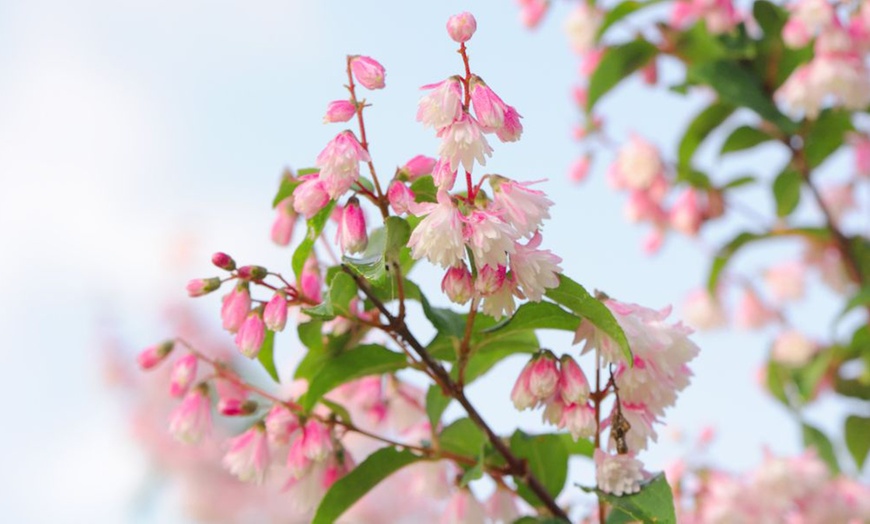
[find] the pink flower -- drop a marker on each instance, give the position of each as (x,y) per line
(703,311)
(578,419)
(442,105)
(786,281)
(489,237)
(457,284)
(582,26)
(573,385)
(637,165)
(490,279)
(418,166)
(532,11)
(316,440)
(182,375)
(511,128)
(751,313)
(535,270)
(202,286)
(275,313)
(339,163)
(438,237)
(298,464)
(521,394)
(232,399)
(285,220)
(281,423)
(352,235)
(463,508)
(250,337)
(235,307)
(368,72)
(500,302)
(248,456)
(401,197)
(310,281)
(488,107)
(443,176)
(686,215)
(617,474)
(524,208)
(461,27)
(861,150)
(339,111)
(793,349)
(462,142)
(310,196)
(501,506)
(543,376)
(191,420)
(153,355)
(579,169)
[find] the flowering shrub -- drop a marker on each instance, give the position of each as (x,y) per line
(345,420)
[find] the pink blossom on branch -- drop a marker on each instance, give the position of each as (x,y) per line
(461,27)
(191,420)
(463,143)
(438,237)
(339,111)
(368,72)
(339,163)
(442,105)
(248,455)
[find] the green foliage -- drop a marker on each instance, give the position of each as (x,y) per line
(266,356)
(370,359)
(547,460)
(350,488)
(385,245)
(620,11)
(787,191)
(288,185)
(342,289)
(538,315)
(654,503)
(436,403)
(617,63)
(743,138)
(314,228)
(826,135)
(575,297)
(701,126)
(857,433)
(815,438)
(462,437)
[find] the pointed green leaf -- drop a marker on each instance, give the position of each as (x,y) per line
(617,63)
(744,137)
(620,11)
(463,437)
(288,185)
(814,438)
(826,135)
(315,228)
(350,488)
(362,361)
(701,126)
(436,403)
(538,315)
(547,459)
(266,356)
(654,503)
(857,434)
(787,192)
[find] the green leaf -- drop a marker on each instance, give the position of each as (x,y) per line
(475,472)
(436,403)
(826,135)
(814,438)
(315,228)
(371,263)
(342,289)
(693,177)
(617,63)
(620,11)
(462,437)
(701,126)
(547,459)
(695,45)
(445,320)
(266,356)
(398,233)
(743,138)
(787,191)
(424,189)
(288,185)
(350,488)
(777,377)
(363,361)
(859,299)
(311,334)
(654,503)
(739,86)
(581,446)
(770,18)
(723,256)
(575,297)
(739,182)
(538,315)
(857,434)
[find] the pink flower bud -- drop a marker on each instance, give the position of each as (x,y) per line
(232,399)
(339,111)
(191,420)
(532,11)
(248,456)
(573,385)
(223,261)
(310,282)
(861,145)
(235,308)
(511,128)
(275,314)
(650,73)
(255,273)
(368,72)
(461,27)
(281,423)
(285,220)
(352,235)
(298,464)
(579,420)
(490,279)
(418,166)
(501,506)
(250,337)
(751,312)
(793,349)
(202,286)
(686,215)
(316,440)
(183,373)
(488,107)
(579,169)
(544,377)
(457,284)
(400,196)
(310,196)
(443,176)
(521,394)
(153,355)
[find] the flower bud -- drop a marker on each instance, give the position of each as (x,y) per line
(352,234)
(490,279)
(191,420)
(153,355)
(418,166)
(316,441)
(310,282)
(255,273)
(543,376)
(368,72)
(183,373)
(400,196)
(521,394)
(251,334)
(202,286)
(232,399)
(339,111)
(275,314)
(235,308)
(310,196)
(223,261)
(248,456)
(281,423)
(461,27)
(285,221)
(457,284)
(573,385)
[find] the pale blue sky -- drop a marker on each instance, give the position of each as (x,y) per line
(130,128)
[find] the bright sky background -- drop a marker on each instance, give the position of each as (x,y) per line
(129,129)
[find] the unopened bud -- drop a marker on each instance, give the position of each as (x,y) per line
(223,261)
(153,355)
(352,234)
(202,286)
(251,334)
(275,314)
(368,72)
(254,273)
(339,111)
(457,284)
(461,27)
